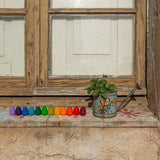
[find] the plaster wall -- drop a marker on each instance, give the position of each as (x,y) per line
(79,143)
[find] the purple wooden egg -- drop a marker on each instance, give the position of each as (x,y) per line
(18,111)
(12,111)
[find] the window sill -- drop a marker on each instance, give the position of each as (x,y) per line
(132,116)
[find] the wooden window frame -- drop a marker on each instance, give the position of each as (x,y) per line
(14,85)
(74,86)
(37,81)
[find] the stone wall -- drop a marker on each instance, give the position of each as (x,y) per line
(79,144)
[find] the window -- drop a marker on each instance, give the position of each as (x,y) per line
(92,45)
(12,46)
(16,49)
(62,44)
(12,39)
(77,52)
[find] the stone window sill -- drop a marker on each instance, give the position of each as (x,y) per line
(132,115)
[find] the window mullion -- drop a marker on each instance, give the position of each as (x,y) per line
(12,12)
(93,11)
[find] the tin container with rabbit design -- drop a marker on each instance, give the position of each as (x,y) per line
(106,108)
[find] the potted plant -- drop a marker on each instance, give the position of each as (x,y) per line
(104,97)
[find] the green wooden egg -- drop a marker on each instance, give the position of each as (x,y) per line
(38,111)
(44,111)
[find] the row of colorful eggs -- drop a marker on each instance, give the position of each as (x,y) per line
(51,111)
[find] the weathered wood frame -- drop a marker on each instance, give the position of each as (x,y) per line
(21,85)
(153,57)
(37,81)
(75,85)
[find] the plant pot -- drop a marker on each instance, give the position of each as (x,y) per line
(105,108)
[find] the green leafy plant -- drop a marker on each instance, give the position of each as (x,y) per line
(100,86)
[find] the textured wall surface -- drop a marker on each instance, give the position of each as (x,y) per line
(79,144)
(132,135)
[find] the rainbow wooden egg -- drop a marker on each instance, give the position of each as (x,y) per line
(83,111)
(25,111)
(44,111)
(38,111)
(69,111)
(12,111)
(50,110)
(57,111)
(18,111)
(31,111)
(63,111)
(76,111)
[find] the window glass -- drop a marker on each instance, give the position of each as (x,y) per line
(12,46)
(12,3)
(91,45)
(92,3)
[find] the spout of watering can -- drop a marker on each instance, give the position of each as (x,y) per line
(130,94)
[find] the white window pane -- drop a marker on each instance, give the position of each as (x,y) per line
(92,45)
(92,3)
(12,3)
(12,59)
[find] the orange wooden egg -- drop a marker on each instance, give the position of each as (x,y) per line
(63,111)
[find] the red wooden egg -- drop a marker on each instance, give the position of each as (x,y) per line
(69,111)
(76,111)
(83,111)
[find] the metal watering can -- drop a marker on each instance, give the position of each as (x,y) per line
(107,108)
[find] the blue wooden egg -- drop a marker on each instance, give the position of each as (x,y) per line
(25,111)
(12,111)
(31,111)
